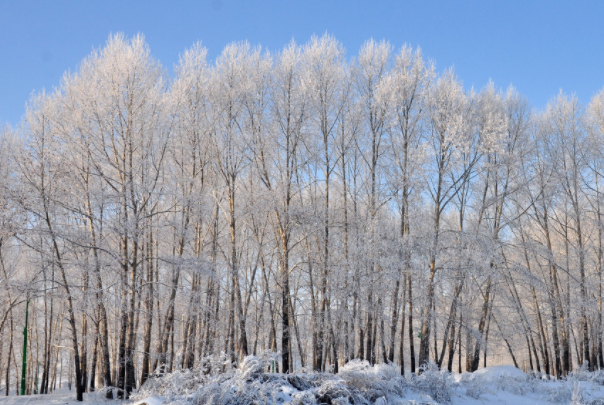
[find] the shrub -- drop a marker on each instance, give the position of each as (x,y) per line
(435,383)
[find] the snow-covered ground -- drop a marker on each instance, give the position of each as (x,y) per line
(63,397)
(356,383)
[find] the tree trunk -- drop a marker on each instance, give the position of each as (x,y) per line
(411,346)
(401,352)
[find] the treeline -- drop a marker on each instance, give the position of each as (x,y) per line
(301,202)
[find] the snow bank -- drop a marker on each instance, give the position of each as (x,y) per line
(500,371)
(150,401)
(491,372)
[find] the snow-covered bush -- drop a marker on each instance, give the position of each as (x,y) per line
(239,391)
(517,385)
(475,387)
(250,368)
(304,381)
(185,382)
(598,377)
(248,384)
(435,383)
(357,383)
(583,374)
(215,364)
(374,382)
(211,394)
(333,391)
(303,398)
(214,381)
(172,385)
(561,394)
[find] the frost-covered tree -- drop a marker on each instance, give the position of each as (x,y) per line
(301,203)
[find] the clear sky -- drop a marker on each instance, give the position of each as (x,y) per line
(538,46)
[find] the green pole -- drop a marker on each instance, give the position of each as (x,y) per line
(24,368)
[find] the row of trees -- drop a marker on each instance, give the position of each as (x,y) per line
(298,202)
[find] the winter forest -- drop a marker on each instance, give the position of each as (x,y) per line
(308,205)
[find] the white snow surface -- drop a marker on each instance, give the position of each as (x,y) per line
(500,371)
(357,382)
(62,397)
(492,372)
(150,401)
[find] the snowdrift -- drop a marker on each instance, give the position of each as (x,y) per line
(499,371)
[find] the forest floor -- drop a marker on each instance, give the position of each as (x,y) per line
(63,397)
(355,384)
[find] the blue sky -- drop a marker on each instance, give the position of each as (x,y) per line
(538,46)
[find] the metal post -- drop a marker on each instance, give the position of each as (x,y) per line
(24,368)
